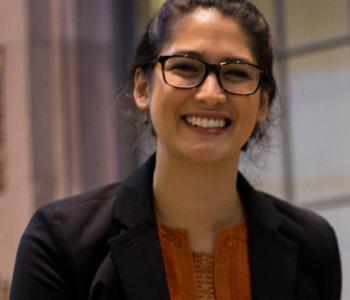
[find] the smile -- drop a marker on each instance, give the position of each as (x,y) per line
(207,122)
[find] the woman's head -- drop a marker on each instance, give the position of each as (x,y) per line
(163,27)
(252,22)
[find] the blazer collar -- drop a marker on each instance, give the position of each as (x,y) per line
(137,253)
(134,197)
(135,200)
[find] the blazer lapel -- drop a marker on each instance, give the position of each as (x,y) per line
(105,285)
(138,258)
(136,250)
(272,256)
(273,265)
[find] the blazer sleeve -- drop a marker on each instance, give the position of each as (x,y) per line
(42,263)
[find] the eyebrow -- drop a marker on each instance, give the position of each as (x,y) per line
(200,56)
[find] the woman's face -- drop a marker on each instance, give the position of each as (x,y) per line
(212,37)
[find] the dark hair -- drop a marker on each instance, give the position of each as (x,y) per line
(251,21)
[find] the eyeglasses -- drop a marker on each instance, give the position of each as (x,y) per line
(235,77)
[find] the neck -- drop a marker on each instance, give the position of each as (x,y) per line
(196,195)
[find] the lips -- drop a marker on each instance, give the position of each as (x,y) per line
(207,121)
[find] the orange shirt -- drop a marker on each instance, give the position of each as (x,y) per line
(203,276)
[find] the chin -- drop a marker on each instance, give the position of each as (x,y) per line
(208,154)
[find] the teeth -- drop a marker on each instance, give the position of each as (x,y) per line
(206,123)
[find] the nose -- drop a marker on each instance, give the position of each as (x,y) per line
(210,91)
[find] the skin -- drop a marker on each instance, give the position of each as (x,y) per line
(196,168)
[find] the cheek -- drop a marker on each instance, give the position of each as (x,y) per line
(248,117)
(155,99)
(248,108)
(159,110)
(153,112)
(167,102)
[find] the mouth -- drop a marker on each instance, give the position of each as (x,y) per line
(203,122)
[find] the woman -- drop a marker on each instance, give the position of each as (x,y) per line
(187,225)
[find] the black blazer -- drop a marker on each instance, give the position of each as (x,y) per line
(104,245)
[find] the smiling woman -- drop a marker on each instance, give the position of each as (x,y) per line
(187,224)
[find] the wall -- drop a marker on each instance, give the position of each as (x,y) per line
(16,196)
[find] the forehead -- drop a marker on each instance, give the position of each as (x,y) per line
(210,33)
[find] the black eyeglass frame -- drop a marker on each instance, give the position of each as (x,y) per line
(211,68)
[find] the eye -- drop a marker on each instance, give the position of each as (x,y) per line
(185,67)
(237,73)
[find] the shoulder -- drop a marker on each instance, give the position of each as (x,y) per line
(273,212)
(300,221)
(75,227)
(315,237)
(90,211)
(66,239)
(87,206)
(82,205)
(97,214)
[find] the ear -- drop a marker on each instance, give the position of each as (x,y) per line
(141,90)
(263,107)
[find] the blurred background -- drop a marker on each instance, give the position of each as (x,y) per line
(62,63)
